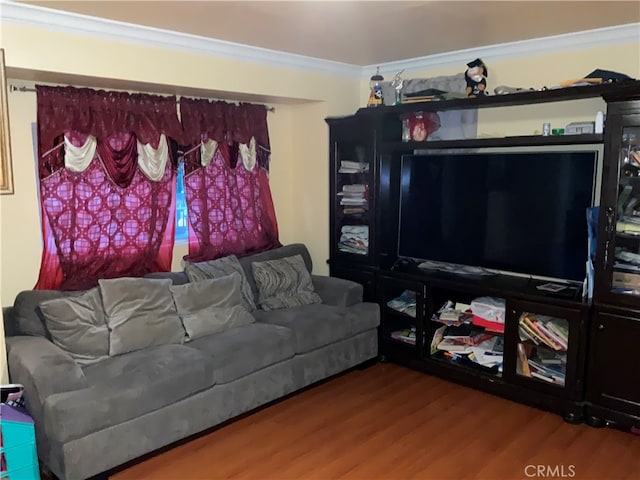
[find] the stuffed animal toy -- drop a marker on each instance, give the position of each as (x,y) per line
(476,77)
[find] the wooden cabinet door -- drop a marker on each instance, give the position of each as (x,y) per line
(613,376)
(352,191)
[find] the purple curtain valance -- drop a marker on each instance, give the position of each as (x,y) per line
(101,113)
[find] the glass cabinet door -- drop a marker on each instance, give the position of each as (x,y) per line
(353,180)
(402,306)
(543,343)
(625,272)
(544,347)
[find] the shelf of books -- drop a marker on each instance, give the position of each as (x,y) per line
(401,317)
(352,205)
(470,335)
(542,348)
(402,313)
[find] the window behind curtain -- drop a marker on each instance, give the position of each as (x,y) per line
(182,215)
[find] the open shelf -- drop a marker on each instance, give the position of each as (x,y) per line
(609,91)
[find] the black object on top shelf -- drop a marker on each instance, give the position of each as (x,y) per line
(609,91)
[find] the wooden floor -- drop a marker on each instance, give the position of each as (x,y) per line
(389,422)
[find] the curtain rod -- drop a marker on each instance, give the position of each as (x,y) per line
(13,88)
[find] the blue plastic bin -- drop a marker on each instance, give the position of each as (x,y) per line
(18,444)
(20,456)
(28,473)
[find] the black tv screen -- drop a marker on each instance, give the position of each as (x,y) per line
(521,212)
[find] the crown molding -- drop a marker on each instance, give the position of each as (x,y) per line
(73,23)
(584,40)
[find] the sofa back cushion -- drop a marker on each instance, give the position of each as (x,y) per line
(26,317)
(177,278)
(222,267)
(275,254)
(211,306)
(140,313)
(284,283)
(77,325)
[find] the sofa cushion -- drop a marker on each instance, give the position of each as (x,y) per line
(26,315)
(313,326)
(140,313)
(363,316)
(127,386)
(222,267)
(284,283)
(240,351)
(43,369)
(210,306)
(77,325)
(274,254)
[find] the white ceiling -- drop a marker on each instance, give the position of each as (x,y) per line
(363,32)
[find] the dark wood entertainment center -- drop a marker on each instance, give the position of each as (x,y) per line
(597,354)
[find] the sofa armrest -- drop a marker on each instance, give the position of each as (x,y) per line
(43,369)
(7,320)
(337,291)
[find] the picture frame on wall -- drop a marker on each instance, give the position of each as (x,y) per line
(6,170)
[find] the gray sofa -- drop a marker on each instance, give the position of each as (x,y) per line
(94,418)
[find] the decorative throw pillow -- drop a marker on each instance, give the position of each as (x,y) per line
(139,313)
(210,306)
(222,267)
(284,283)
(77,325)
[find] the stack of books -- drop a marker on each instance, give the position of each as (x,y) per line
(461,338)
(469,343)
(354,239)
(545,330)
(349,166)
(542,364)
(407,335)
(405,303)
(354,199)
(453,313)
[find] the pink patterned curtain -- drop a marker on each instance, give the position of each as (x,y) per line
(229,200)
(109,220)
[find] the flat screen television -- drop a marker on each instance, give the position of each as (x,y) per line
(516,212)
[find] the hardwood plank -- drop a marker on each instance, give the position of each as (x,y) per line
(390,422)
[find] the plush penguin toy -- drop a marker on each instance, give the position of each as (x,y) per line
(476,76)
